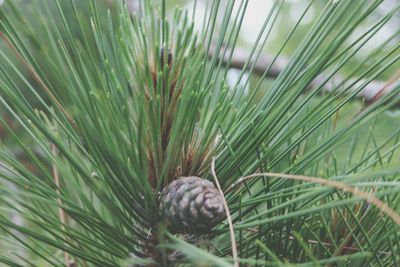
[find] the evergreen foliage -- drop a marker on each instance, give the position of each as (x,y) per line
(118,105)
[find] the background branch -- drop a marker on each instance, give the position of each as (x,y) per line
(374,89)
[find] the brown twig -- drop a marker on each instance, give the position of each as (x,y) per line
(371,198)
(62,214)
(228,216)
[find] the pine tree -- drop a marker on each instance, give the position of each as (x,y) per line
(142,153)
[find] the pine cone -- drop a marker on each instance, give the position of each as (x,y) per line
(191,205)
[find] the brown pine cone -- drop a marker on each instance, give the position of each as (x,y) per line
(191,205)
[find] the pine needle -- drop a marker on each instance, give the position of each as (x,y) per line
(335,184)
